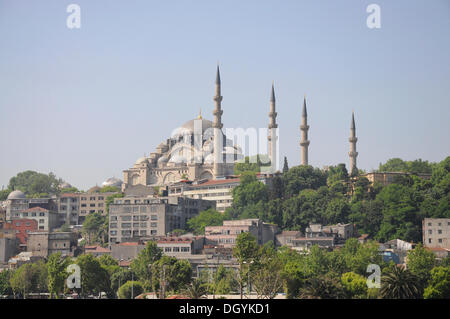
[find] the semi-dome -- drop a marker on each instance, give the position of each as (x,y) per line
(163,159)
(16,195)
(112,181)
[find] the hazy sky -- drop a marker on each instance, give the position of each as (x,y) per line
(86,103)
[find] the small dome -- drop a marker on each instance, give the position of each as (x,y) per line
(163,159)
(115,182)
(16,195)
(94,189)
(141,160)
(65,185)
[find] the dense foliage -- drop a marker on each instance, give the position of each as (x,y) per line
(306,195)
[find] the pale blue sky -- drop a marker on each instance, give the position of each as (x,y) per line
(87,103)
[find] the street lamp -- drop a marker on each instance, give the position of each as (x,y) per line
(248,273)
(132,283)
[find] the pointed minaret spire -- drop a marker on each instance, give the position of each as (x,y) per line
(353,153)
(304,142)
(272,138)
(217,127)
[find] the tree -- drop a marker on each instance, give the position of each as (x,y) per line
(210,217)
(94,278)
(250,191)
(34,183)
(322,287)
(93,227)
(354,285)
(57,274)
(251,164)
(420,261)
(29,278)
(120,277)
(130,290)
(439,284)
(399,283)
(285,165)
(5,285)
(303,177)
(266,276)
(196,290)
(109,189)
(245,251)
(142,266)
(170,274)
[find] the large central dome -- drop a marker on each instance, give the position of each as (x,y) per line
(199,122)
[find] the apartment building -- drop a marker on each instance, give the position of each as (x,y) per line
(226,234)
(145,217)
(436,232)
(44,244)
(219,191)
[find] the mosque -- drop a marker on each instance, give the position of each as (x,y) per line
(199,150)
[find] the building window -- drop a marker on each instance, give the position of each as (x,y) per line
(153,224)
(153,232)
(25,214)
(429,224)
(92,198)
(41,221)
(176,249)
(100,198)
(439,231)
(167,249)
(143,233)
(83,198)
(154,217)
(430,231)
(440,240)
(429,240)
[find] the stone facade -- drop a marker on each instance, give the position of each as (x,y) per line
(44,244)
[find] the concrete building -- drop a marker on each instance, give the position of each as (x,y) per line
(126,251)
(69,208)
(97,251)
(219,191)
(180,247)
(21,228)
(8,248)
(135,217)
(92,202)
(17,202)
(46,220)
(44,244)
(386,178)
(436,232)
(286,237)
(226,234)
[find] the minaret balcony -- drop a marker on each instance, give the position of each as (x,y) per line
(304,143)
(304,127)
(353,139)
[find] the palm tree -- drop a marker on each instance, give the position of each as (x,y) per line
(399,283)
(322,288)
(196,290)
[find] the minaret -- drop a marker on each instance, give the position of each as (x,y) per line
(353,153)
(273,132)
(217,127)
(304,143)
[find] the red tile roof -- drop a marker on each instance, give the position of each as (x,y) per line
(96,249)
